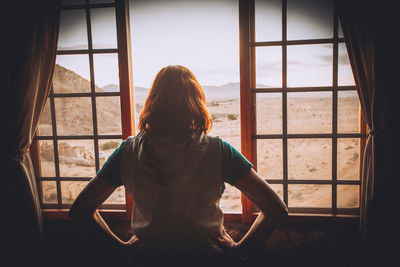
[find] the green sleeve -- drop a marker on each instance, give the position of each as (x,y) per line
(110,171)
(233,164)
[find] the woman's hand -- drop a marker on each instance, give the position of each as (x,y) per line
(225,242)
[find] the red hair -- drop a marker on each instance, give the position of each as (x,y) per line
(176,104)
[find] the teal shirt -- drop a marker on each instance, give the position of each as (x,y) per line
(233,166)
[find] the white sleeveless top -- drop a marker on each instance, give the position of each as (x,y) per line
(175,184)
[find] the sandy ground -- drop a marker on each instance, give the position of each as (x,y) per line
(307,158)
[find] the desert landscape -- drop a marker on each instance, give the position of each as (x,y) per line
(309,159)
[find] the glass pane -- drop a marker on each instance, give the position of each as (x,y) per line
(225,113)
(117,197)
(309,19)
(269,158)
(231,199)
(106,72)
(340,33)
(76,158)
(106,147)
(73,31)
(348,196)
(348,159)
(104,29)
(268,20)
(47,166)
(74,115)
(45,127)
(348,112)
(72,2)
(310,159)
(269,66)
(108,115)
(310,196)
(309,65)
(49,192)
(71,74)
(269,113)
(345,74)
(70,190)
(309,112)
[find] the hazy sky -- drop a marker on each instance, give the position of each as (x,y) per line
(203,36)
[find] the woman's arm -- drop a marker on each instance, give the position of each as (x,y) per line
(273,212)
(84,210)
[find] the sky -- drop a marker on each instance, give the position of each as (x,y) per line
(204,36)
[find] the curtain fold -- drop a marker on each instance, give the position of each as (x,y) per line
(32,33)
(358,28)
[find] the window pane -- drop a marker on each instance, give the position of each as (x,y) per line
(45,127)
(49,192)
(348,159)
(117,197)
(269,113)
(345,74)
(73,31)
(104,29)
(76,158)
(108,115)
(309,19)
(269,158)
(106,148)
(74,115)
(231,199)
(309,65)
(269,66)
(348,112)
(268,20)
(310,196)
(47,166)
(225,112)
(106,72)
(309,112)
(71,74)
(348,196)
(70,190)
(310,159)
(340,33)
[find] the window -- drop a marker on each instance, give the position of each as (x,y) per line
(82,124)
(301,123)
(295,114)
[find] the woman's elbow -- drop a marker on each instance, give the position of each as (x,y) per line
(77,212)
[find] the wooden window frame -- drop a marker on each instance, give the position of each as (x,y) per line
(248,91)
(59,211)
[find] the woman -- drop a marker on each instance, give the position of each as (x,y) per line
(175,173)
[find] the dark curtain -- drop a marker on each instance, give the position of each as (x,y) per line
(370,30)
(30,33)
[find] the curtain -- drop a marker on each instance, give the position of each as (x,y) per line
(31,31)
(358,30)
(369,28)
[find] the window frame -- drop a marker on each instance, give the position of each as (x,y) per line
(123,50)
(248,92)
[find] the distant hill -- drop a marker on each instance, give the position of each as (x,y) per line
(74,114)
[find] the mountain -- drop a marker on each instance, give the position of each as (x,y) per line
(74,114)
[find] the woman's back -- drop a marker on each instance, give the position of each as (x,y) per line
(176,185)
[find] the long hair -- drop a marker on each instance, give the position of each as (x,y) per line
(176,104)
